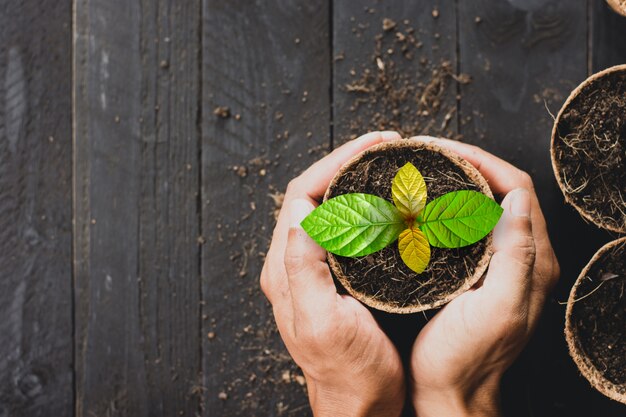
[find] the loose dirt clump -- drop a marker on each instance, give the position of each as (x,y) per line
(389,96)
(222,112)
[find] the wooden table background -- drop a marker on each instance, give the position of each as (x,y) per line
(130,246)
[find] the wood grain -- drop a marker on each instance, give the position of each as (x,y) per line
(35,209)
(268,62)
(136,218)
(401,49)
(608,31)
(189,118)
(525,57)
(405,43)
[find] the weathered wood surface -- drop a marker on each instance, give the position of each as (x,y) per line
(608,33)
(35,209)
(386,57)
(136,192)
(173,196)
(398,47)
(269,63)
(525,57)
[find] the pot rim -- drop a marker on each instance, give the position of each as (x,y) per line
(586,367)
(473,174)
(556,163)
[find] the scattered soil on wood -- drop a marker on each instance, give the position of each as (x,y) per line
(598,315)
(390,94)
(419,101)
(589,150)
(222,111)
(382,277)
(263,367)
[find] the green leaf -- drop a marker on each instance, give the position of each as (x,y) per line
(408,190)
(459,219)
(354,224)
(414,249)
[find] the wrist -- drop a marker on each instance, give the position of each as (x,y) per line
(337,402)
(479,402)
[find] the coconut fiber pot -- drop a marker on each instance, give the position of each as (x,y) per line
(589,149)
(595,322)
(618,5)
(381,280)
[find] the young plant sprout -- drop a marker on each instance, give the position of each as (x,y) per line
(358,224)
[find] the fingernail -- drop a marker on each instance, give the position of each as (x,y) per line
(389,135)
(422,138)
(520,203)
(298,210)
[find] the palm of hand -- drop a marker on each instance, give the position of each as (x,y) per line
(363,346)
(361,362)
(466,340)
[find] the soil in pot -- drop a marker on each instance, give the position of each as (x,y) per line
(589,149)
(382,280)
(596,320)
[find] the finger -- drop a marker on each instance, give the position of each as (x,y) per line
(503,178)
(313,182)
(310,283)
(509,277)
(501,175)
(311,185)
(276,289)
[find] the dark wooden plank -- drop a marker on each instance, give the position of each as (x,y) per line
(35,209)
(136,218)
(525,57)
(394,69)
(608,31)
(269,63)
(607,48)
(394,64)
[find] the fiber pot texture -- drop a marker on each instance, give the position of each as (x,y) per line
(596,321)
(588,149)
(381,280)
(618,5)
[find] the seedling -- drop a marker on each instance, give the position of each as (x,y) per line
(358,224)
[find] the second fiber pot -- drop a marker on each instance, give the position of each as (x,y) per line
(595,321)
(618,6)
(382,279)
(589,149)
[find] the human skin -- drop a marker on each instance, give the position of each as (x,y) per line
(351,366)
(459,357)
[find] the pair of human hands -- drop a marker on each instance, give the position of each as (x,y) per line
(457,360)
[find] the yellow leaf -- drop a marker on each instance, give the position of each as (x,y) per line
(414,249)
(408,190)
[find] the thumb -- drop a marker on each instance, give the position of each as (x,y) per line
(511,266)
(310,282)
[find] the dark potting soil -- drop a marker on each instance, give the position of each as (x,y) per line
(599,316)
(383,276)
(591,149)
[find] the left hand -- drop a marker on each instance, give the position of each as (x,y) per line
(351,366)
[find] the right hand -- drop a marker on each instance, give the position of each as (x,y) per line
(459,357)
